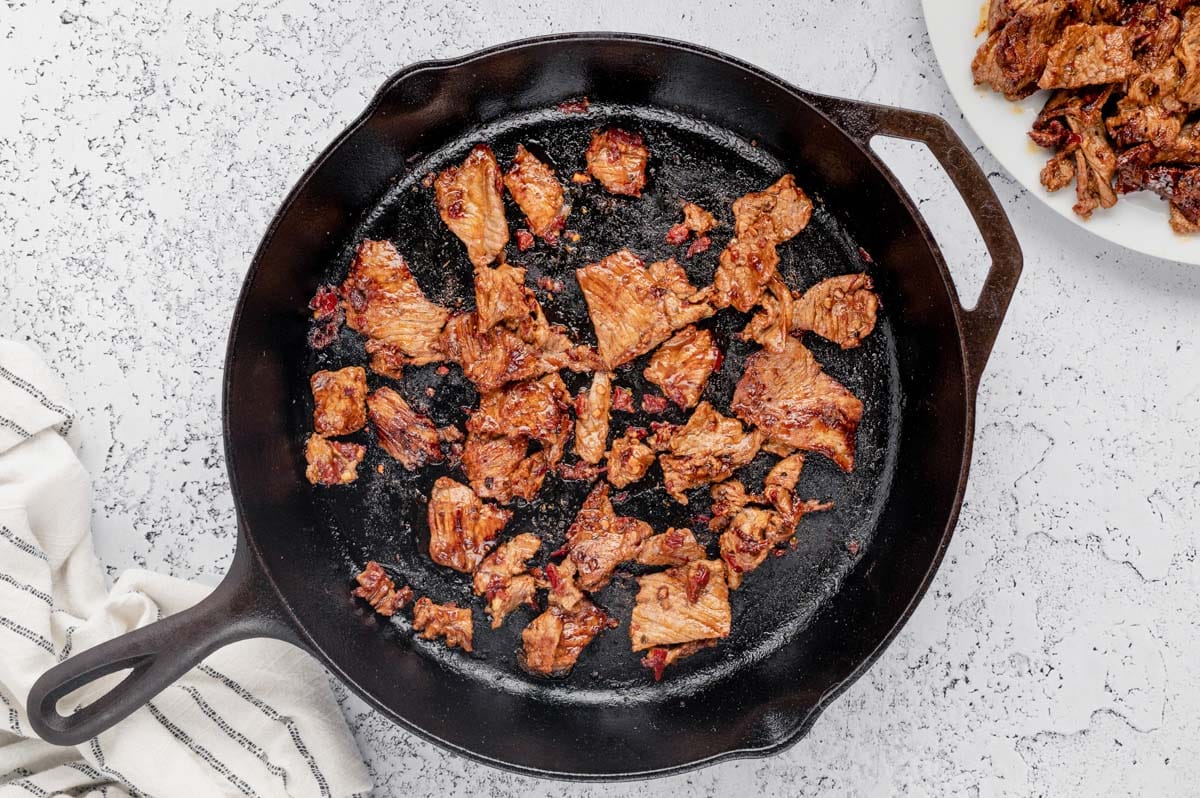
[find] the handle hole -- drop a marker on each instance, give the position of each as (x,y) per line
(945,212)
(74,701)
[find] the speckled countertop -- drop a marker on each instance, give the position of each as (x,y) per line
(144,147)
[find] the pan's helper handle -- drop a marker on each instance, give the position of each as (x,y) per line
(244,605)
(981,323)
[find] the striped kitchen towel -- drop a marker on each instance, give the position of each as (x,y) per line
(256,719)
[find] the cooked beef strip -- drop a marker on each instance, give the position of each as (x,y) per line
(502,579)
(339,399)
(462,529)
(788,397)
(659,657)
(561,585)
(673,547)
(380,591)
(1089,55)
(537,410)
(780,483)
(841,309)
(682,365)
(707,449)
(618,160)
(682,302)
(538,193)
(1187,50)
(384,302)
(553,641)
(728,499)
(634,309)
(1014,56)
(502,296)
(469,201)
(447,621)
(598,539)
(591,418)
(332,462)
(503,468)
(628,460)
(681,605)
(696,219)
(778,212)
(403,433)
(763,219)
(769,326)
(493,358)
(750,536)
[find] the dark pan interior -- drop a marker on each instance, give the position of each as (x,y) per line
(804,623)
(382,516)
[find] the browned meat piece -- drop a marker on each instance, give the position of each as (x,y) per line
(495,357)
(599,539)
(789,398)
(1059,171)
(660,435)
(746,266)
(750,536)
(502,296)
(631,310)
(1153,31)
(385,303)
(682,366)
(403,433)
(553,641)
(729,498)
(683,605)
(470,203)
(673,547)
(1181,224)
(618,160)
(1072,122)
(538,193)
(1187,50)
(777,448)
(1151,109)
(778,212)
(696,219)
(332,462)
(628,460)
(1180,185)
(502,468)
(1014,55)
(380,591)
(560,583)
(581,471)
(501,577)
(780,485)
(1088,55)
(447,621)
(339,398)
(841,309)
(659,657)
(462,529)
(536,410)
(591,418)
(683,303)
(707,449)
(769,327)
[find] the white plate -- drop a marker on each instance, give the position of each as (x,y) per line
(1137,221)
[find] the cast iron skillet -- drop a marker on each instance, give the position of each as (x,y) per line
(805,625)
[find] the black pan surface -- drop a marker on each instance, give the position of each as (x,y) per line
(382,516)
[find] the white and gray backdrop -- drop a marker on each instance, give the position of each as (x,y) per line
(144,146)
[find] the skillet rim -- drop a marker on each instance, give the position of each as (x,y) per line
(809,716)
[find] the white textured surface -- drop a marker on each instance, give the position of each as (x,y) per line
(145,146)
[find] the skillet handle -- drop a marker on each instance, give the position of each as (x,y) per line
(864,121)
(243,605)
